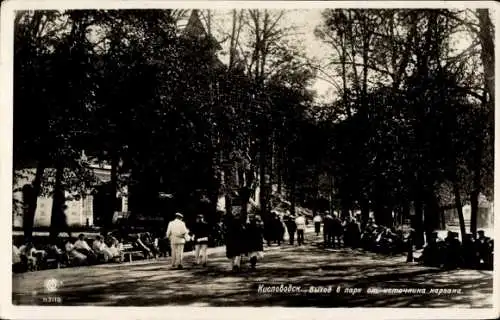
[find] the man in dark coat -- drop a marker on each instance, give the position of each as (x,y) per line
(484,248)
(453,255)
(269,230)
(336,231)
(352,233)
(291,227)
(431,256)
(278,230)
(235,240)
(254,239)
(471,258)
(327,230)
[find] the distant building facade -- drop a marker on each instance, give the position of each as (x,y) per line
(80,207)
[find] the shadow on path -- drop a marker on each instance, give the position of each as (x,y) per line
(154,284)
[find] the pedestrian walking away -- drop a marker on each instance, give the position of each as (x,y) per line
(176,233)
(201,232)
(317,224)
(300,221)
(336,231)
(235,240)
(254,239)
(291,227)
(328,230)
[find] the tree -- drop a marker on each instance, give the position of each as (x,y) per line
(402,97)
(47,44)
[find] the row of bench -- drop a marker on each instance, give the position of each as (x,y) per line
(48,263)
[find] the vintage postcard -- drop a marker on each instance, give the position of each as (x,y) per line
(222,159)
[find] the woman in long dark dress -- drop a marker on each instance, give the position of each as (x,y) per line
(235,242)
(254,234)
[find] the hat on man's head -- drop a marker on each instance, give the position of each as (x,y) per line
(178,214)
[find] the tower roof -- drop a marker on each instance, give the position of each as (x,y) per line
(196,26)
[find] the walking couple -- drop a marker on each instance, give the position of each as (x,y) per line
(178,234)
(244,238)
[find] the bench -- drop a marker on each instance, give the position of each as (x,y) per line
(52,262)
(128,250)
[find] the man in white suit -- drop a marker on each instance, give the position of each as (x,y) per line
(300,221)
(176,233)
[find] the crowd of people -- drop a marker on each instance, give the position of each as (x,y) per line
(244,237)
(451,253)
(104,248)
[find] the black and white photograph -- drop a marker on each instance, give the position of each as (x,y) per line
(322,156)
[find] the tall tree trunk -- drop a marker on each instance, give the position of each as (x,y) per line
(263,178)
(476,185)
(331,194)
(58,221)
(474,206)
(442,219)
(228,189)
(458,206)
(279,178)
(316,194)
(30,199)
(486,36)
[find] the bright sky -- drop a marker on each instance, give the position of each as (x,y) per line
(305,21)
(309,20)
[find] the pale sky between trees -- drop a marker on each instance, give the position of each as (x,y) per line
(305,21)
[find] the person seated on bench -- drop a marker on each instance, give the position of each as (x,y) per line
(101,249)
(147,240)
(29,255)
(114,246)
(139,244)
(73,254)
(16,255)
(432,254)
(17,263)
(54,252)
(82,246)
(484,248)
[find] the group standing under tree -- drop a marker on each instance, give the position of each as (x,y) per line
(244,238)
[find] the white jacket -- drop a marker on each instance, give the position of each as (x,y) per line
(176,231)
(82,244)
(301,223)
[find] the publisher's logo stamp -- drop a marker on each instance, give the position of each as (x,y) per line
(51,285)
